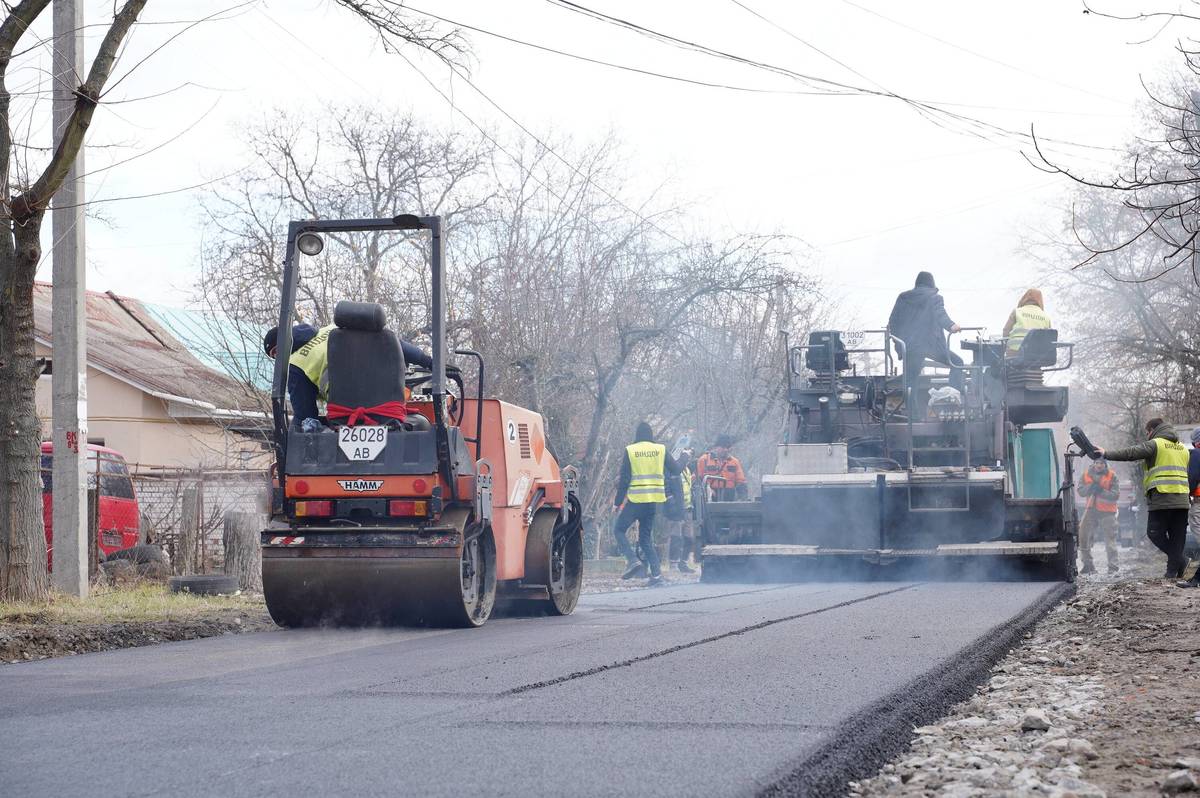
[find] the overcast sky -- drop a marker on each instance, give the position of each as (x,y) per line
(877,189)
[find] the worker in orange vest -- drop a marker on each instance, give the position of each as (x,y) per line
(720,473)
(1099,485)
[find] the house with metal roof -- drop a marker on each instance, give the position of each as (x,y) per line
(166,387)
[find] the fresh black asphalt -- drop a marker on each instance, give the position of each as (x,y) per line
(687,690)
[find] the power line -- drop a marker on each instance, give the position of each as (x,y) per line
(979,55)
(488,136)
(610,64)
(971,125)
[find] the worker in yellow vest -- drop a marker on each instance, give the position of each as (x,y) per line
(641,490)
(308,366)
(1029,315)
(1165,462)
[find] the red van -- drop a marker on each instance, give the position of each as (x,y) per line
(119,524)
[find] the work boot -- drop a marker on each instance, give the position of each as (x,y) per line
(1088,568)
(1193,582)
(684,568)
(656,580)
(635,568)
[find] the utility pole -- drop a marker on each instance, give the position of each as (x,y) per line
(69,364)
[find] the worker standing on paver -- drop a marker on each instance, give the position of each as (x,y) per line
(1194,490)
(1100,487)
(679,515)
(1030,314)
(919,319)
(720,473)
(641,490)
(1165,461)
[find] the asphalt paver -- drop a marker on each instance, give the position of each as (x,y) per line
(687,690)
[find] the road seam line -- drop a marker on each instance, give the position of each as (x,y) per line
(525,688)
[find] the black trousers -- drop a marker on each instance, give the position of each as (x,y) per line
(643,513)
(915,358)
(1167,529)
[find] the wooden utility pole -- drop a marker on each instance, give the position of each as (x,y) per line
(69,364)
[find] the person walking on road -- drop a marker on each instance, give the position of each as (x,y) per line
(1165,461)
(1030,314)
(1100,487)
(1194,490)
(919,319)
(721,473)
(641,490)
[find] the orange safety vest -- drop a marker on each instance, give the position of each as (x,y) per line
(1101,504)
(720,474)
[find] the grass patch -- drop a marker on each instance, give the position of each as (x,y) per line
(124,604)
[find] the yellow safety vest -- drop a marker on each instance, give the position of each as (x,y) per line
(313,360)
(1028,317)
(1169,472)
(685,479)
(647,484)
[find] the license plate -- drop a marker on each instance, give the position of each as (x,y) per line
(362,443)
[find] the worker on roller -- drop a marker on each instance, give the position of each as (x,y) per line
(308,366)
(681,538)
(1194,510)
(1165,462)
(1030,314)
(641,490)
(920,321)
(1100,487)
(721,474)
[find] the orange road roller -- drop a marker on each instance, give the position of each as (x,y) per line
(409,502)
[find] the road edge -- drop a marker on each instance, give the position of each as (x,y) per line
(873,736)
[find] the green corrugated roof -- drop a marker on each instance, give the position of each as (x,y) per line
(219,342)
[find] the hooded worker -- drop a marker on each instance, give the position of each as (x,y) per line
(919,319)
(641,490)
(1030,314)
(1165,463)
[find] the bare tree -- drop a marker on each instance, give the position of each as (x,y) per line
(591,308)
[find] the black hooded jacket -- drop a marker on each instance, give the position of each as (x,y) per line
(670,467)
(919,319)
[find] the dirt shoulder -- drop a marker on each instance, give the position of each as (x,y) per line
(122,617)
(1100,700)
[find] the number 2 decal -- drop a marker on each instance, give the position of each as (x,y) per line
(512,431)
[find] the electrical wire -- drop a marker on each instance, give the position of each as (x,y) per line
(969,125)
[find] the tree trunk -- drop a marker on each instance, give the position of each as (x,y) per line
(23,574)
(243,554)
(187,539)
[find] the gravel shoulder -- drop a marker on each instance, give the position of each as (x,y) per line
(1100,700)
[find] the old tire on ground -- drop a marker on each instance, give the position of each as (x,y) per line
(204,584)
(554,558)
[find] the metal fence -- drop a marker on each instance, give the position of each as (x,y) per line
(186,511)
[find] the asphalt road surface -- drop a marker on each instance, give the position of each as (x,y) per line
(688,690)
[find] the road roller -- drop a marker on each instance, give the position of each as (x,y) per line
(909,475)
(409,501)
